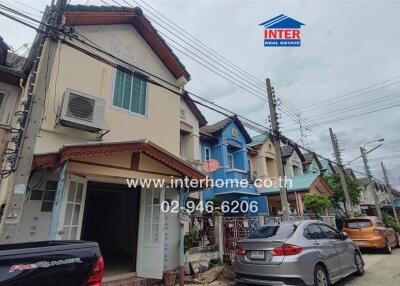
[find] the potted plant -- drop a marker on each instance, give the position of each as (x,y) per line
(169,277)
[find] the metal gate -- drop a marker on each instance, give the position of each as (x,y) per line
(235,229)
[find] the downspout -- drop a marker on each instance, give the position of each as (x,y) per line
(182,200)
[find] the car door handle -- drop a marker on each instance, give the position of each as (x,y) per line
(316,243)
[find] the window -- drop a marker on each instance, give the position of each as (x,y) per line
(273,231)
(330,232)
(47,196)
(230,161)
(2,97)
(207,153)
(358,223)
(181,145)
(313,232)
(130,91)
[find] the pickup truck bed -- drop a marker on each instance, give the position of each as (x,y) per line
(55,263)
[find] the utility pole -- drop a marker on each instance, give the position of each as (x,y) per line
(336,150)
(30,122)
(385,176)
(277,143)
(369,176)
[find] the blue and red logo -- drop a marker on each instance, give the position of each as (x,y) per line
(282,31)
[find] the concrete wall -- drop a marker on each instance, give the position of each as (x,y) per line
(80,72)
(191,141)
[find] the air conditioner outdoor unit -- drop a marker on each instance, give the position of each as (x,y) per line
(82,111)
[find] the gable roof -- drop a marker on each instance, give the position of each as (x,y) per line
(3,44)
(282,22)
(101,149)
(259,139)
(81,15)
(348,171)
(194,109)
(287,151)
(327,163)
(309,157)
(302,182)
(220,126)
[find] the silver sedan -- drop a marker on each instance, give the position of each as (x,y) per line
(302,253)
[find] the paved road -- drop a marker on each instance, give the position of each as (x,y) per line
(380,269)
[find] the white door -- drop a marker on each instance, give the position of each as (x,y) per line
(72,205)
(151,234)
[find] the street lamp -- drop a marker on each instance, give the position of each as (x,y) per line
(377,140)
(369,176)
(365,151)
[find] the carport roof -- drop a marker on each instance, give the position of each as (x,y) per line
(97,149)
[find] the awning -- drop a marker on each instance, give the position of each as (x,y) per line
(130,148)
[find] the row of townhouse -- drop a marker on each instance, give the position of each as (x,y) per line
(242,157)
(105,122)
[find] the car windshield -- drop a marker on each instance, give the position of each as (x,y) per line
(273,231)
(358,223)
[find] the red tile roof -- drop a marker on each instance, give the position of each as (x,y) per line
(80,15)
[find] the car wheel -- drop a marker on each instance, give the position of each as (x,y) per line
(359,264)
(320,276)
(387,249)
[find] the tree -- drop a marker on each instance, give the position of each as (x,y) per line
(338,199)
(317,203)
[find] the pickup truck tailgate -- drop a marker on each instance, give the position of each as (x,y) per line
(55,263)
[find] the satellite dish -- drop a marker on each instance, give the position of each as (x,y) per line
(210,165)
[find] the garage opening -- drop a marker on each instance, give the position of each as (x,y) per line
(111,218)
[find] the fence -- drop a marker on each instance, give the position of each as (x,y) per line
(238,228)
(235,229)
(205,226)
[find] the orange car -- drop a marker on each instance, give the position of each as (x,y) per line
(371,232)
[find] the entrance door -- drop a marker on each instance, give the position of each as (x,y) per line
(71,213)
(151,234)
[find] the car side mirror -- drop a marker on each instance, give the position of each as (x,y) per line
(344,236)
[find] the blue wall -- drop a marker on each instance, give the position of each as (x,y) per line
(223,144)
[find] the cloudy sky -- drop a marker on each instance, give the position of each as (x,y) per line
(348,65)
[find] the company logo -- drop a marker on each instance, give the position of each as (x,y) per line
(282,31)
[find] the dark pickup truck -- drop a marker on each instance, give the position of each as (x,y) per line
(51,263)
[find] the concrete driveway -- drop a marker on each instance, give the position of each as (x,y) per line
(380,269)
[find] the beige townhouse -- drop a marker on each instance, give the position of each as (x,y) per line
(109,119)
(263,166)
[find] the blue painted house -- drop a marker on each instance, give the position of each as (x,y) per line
(226,141)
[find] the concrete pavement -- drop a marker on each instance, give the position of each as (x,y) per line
(380,269)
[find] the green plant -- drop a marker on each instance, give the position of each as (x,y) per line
(317,203)
(215,263)
(191,239)
(391,221)
(217,203)
(337,198)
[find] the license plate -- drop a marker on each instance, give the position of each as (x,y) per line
(257,254)
(360,243)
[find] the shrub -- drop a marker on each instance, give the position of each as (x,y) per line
(317,203)
(391,221)
(191,239)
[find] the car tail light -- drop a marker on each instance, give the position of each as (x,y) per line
(240,251)
(377,232)
(286,250)
(96,275)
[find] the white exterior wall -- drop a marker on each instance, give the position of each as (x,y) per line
(293,160)
(82,73)
(192,141)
